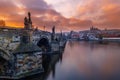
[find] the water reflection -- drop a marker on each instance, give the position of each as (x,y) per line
(84,61)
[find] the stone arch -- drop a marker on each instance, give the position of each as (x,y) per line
(44,43)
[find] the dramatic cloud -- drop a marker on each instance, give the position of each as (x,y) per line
(64,14)
(104,13)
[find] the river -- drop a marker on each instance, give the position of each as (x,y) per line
(86,61)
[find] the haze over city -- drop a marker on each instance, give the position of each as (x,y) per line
(64,14)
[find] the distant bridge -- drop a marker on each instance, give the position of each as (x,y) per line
(112,39)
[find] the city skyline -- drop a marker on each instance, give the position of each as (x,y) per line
(64,14)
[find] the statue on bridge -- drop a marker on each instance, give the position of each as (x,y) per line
(53,33)
(29,18)
(28,22)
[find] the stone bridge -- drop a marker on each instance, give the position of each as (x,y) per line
(39,37)
(10,37)
(9,43)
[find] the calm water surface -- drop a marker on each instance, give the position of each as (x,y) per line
(87,61)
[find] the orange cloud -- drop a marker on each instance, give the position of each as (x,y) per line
(103,14)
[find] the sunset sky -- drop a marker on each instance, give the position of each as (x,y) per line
(64,14)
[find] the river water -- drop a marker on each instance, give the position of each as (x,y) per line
(86,61)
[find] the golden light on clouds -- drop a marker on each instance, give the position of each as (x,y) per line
(14,24)
(84,13)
